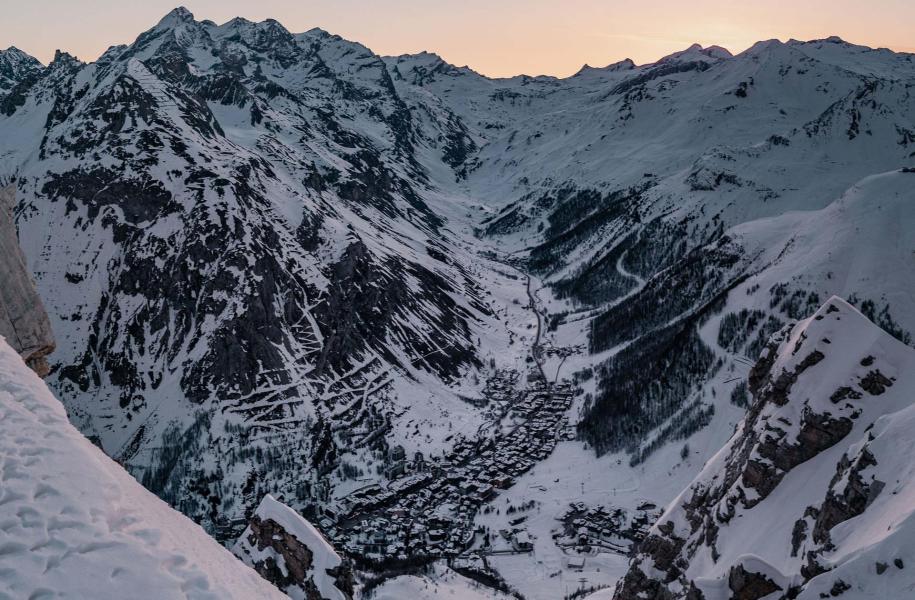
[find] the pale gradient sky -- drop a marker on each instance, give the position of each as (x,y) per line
(495,37)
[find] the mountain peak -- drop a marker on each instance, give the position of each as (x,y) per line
(176,16)
(624,65)
(14,55)
(717,52)
(65,58)
(697,53)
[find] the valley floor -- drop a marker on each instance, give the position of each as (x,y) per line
(519,532)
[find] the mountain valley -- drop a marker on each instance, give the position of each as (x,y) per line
(536,336)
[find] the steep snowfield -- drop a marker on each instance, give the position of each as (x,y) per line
(814,492)
(862,243)
(74,523)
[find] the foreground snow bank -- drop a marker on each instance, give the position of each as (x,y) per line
(74,523)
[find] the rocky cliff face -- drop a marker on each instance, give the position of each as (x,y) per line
(23,320)
(290,553)
(794,502)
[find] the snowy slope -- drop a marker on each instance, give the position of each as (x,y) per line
(440,583)
(74,523)
(813,493)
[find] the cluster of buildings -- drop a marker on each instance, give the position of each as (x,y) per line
(429,512)
(583,528)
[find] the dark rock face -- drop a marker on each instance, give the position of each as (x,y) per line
(23,320)
(298,560)
(635,585)
(747,585)
(360,287)
(18,72)
(875,383)
(853,499)
(818,432)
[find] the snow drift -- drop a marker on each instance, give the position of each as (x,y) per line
(73,522)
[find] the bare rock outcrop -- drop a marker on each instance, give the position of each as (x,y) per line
(286,550)
(23,320)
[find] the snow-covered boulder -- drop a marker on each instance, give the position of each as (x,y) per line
(289,552)
(815,489)
(74,524)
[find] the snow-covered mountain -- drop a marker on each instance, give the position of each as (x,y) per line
(813,495)
(280,263)
(233,234)
(16,68)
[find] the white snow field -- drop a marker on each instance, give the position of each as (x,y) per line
(442,583)
(219,204)
(74,524)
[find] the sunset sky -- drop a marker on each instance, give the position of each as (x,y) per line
(495,37)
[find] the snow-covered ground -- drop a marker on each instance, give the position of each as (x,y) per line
(75,524)
(573,474)
(440,583)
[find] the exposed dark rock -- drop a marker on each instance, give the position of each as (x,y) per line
(838,588)
(798,535)
(635,585)
(298,560)
(694,593)
(845,393)
(875,383)
(855,497)
(747,585)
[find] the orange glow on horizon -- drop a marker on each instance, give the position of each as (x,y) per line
(497,39)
